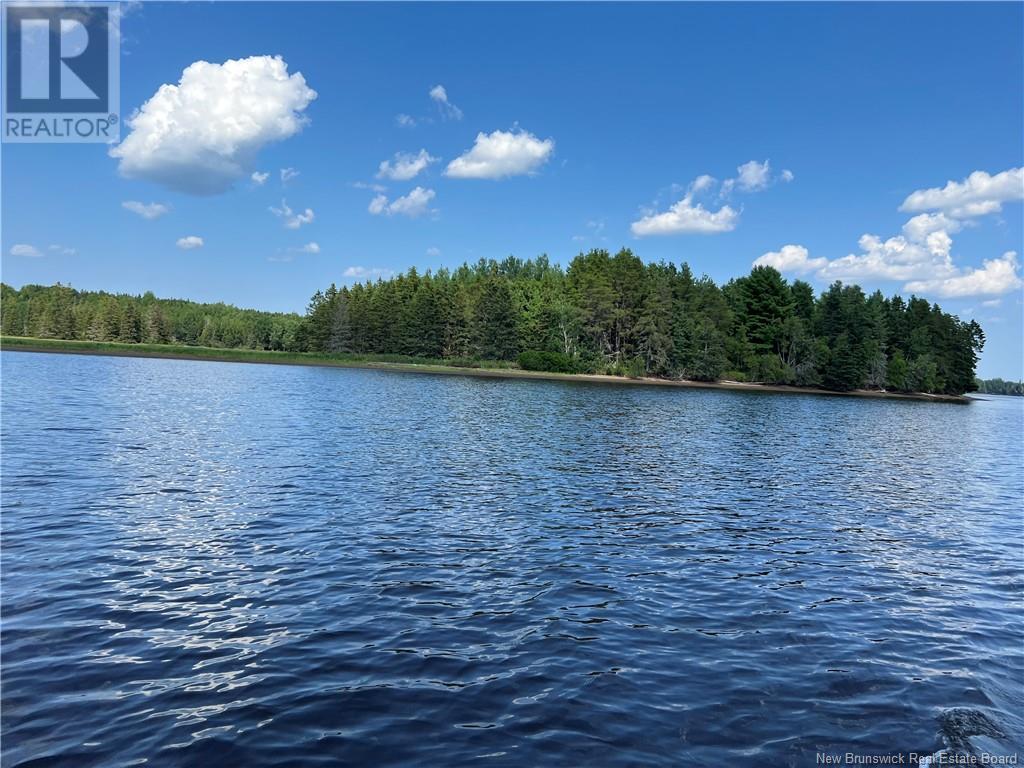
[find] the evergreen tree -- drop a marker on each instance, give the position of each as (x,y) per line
(130,330)
(340,339)
(495,323)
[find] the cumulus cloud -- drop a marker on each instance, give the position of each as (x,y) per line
(292,220)
(702,182)
(896,258)
(204,133)
(24,249)
(790,258)
(501,154)
(259,178)
(148,211)
(925,225)
(189,243)
(287,174)
(63,250)
(414,204)
(977,195)
(753,176)
(921,256)
(405,121)
(365,273)
(448,110)
(433,251)
(995,277)
(687,217)
(405,165)
(313,247)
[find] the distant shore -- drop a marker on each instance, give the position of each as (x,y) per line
(486,369)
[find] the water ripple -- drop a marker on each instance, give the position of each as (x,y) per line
(264,565)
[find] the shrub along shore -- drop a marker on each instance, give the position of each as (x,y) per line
(405,364)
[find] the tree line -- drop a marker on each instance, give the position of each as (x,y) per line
(615,314)
(61,312)
(603,314)
(1000,387)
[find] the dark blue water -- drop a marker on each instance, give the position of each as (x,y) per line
(222,564)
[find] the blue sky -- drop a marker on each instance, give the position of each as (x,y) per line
(599,123)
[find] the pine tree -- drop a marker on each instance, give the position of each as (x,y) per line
(340,339)
(494,320)
(130,330)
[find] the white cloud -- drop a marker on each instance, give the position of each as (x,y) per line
(702,182)
(24,249)
(145,210)
(292,220)
(289,255)
(690,216)
(977,195)
(753,176)
(433,251)
(190,242)
(500,154)
(63,250)
(406,121)
(921,257)
(363,273)
(996,277)
(992,303)
(924,225)
(448,110)
(412,205)
(790,258)
(203,134)
(685,217)
(365,185)
(901,257)
(405,166)
(287,174)
(259,178)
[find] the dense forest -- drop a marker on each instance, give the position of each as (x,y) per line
(1000,387)
(60,312)
(605,313)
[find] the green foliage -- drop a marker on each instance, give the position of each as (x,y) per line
(605,313)
(1000,387)
(60,312)
(735,376)
(896,375)
(540,360)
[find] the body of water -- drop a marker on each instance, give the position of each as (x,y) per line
(228,564)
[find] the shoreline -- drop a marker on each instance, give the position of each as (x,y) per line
(210,354)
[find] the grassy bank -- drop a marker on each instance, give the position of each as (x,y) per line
(485,368)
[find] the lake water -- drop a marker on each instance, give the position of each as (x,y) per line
(227,564)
